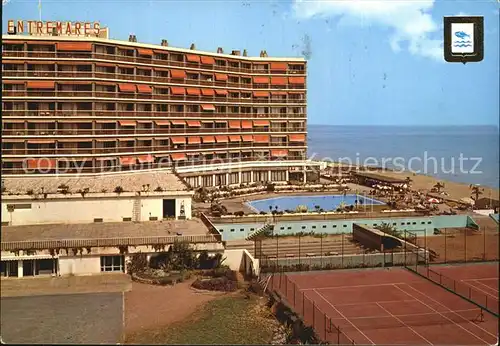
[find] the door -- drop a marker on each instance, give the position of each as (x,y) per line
(168,208)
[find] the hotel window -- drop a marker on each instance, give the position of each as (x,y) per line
(233,178)
(261,177)
(112,264)
(278,175)
(207,180)
(245,177)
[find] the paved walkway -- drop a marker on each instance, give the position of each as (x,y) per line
(36,286)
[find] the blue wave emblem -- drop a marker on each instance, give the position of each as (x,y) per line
(462,44)
(462,35)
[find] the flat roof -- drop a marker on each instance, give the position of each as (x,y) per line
(104,230)
(130,182)
(147,45)
(379,177)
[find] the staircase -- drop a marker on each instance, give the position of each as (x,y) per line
(261,231)
(136,210)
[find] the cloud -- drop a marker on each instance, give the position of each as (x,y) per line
(409,21)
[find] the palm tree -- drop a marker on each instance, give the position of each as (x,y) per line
(476,190)
(438,186)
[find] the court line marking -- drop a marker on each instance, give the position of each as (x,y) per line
(477,282)
(482,290)
(449,310)
(353,286)
(402,315)
(341,314)
(407,326)
(481,279)
(381,301)
(495,295)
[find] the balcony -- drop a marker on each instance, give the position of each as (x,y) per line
(105,114)
(152,61)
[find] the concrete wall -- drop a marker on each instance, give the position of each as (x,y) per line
(241,260)
(351,261)
(79,265)
(365,236)
(418,225)
(84,210)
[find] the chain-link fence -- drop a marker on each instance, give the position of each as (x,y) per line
(306,308)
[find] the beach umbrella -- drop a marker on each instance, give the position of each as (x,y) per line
(433,200)
(467,200)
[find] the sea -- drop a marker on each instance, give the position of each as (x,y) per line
(465,154)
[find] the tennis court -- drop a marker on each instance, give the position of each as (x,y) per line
(385,306)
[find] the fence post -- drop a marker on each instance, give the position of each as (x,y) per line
(440,278)
(484,243)
(277,253)
(469,292)
(404,254)
(465,245)
(324,318)
(342,257)
(321,249)
(294,290)
(314,308)
(338,335)
(445,245)
(300,260)
(303,305)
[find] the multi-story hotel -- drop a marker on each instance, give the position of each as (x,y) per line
(88,104)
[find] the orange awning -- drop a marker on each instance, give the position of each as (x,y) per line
(42,163)
(192,58)
(207,92)
(261,80)
(178,122)
(235,138)
(208,139)
(145,158)
(74,46)
(296,80)
(193,123)
(221,77)
(234,124)
(177,91)
(247,138)
(207,107)
(246,124)
(178,140)
(193,91)
(261,139)
(221,139)
(162,122)
(41,141)
(179,74)
(261,123)
(194,140)
(297,138)
(178,156)
(145,52)
(146,89)
(129,88)
(41,84)
(221,92)
(127,160)
(279,152)
(207,60)
(278,80)
(278,93)
(127,122)
(10,81)
(260,94)
(279,66)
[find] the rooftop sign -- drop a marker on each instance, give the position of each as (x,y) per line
(41,28)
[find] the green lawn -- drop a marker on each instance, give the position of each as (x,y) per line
(228,320)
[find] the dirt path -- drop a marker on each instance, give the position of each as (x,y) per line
(149,307)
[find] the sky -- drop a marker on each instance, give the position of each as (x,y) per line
(370,62)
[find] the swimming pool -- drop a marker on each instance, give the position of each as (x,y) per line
(325,202)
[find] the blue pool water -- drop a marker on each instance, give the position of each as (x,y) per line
(326,202)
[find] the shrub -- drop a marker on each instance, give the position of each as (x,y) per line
(159,189)
(138,263)
(118,189)
(216,284)
(239,213)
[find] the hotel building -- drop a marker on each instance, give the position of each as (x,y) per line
(88,104)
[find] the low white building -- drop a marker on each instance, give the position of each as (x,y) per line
(134,197)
